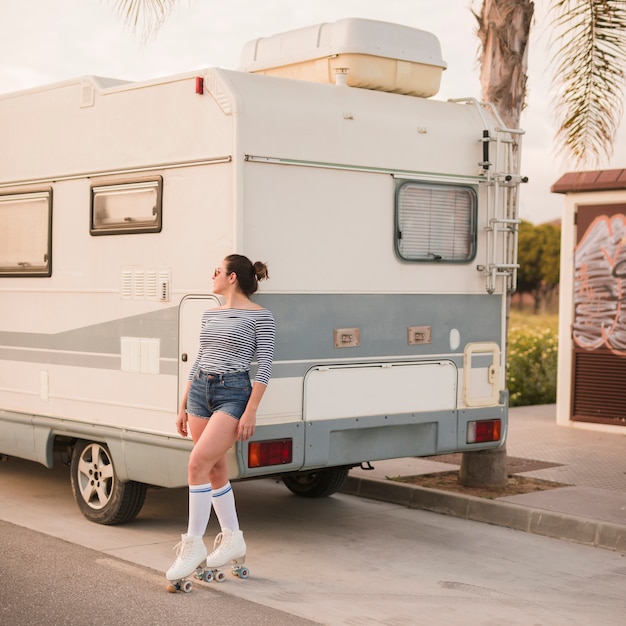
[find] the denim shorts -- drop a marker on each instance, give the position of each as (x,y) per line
(227,393)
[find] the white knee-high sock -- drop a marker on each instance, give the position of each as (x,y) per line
(224,505)
(199,509)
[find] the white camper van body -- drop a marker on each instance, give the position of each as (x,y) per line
(377,355)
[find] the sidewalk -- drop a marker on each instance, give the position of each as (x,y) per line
(590,510)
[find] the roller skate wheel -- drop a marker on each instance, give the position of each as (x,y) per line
(187,586)
(208,576)
(220,577)
(242,572)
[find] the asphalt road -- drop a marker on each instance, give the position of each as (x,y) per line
(338,561)
(48,581)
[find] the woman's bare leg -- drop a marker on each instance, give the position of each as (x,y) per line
(212,439)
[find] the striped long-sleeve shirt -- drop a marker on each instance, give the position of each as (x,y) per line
(230,339)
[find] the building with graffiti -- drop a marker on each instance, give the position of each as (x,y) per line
(592,322)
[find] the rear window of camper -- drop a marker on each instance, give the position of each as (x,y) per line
(26,234)
(435,222)
(126,207)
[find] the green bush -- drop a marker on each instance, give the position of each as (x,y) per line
(531,366)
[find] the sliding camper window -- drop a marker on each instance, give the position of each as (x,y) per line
(126,207)
(435,222)
(26,234)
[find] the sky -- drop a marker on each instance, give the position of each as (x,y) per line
(47,41)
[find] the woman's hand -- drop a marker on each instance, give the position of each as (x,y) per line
(247,423)
(181,422)
(246,426)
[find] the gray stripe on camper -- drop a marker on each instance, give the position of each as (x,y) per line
(304,338)
(78,359)
(305,323)
(104,338)
(55,357)
(98,345)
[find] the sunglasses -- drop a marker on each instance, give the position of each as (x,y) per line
(218,271)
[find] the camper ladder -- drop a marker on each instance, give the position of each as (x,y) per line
(502,226)
(500,167)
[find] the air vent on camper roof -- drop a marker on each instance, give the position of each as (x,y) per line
(357,52)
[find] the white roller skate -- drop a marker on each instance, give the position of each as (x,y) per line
(229,549)
(190,555)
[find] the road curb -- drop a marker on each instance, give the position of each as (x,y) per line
(538,521)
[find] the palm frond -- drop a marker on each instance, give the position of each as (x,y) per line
(145,15)
(588,83)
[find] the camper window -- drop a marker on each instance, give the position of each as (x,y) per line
(435,222)
(128,207)
(26,234)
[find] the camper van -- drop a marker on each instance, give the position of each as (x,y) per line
(388,220)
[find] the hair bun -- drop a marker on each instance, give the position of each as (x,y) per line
(260,271)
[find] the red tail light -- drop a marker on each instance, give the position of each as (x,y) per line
(483,431)
(272,452)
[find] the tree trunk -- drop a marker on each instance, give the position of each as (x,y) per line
(484,468)
(503,30)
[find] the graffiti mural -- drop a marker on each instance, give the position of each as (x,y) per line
(600,286)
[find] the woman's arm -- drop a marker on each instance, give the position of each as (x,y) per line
(265,340)
(247,422)
(181,420)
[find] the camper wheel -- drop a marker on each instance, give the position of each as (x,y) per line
(318,484)
(100,495)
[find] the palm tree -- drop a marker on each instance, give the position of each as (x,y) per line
(590,41)
(504,33)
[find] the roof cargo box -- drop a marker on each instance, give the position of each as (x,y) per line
(357,52)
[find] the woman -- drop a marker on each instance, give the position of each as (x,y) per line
(219,407)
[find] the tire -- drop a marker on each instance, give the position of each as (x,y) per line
(101,497)
(318,484)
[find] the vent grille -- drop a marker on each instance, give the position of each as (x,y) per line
(598,389)
(139,283)
(151,284)
(139,290)
(126,286)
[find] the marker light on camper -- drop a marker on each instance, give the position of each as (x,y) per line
(483,431)
(271,452)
